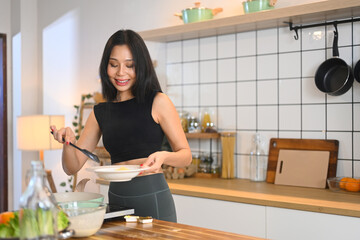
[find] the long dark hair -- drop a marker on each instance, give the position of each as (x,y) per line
(146,78)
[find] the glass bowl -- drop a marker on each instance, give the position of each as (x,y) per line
(79,213)
(344,184)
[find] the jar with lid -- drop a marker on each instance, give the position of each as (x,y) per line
(196,161)
(258,159)
(38,211)
(194,126)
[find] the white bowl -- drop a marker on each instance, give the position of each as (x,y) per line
(117,173)
(78,196)
(86,218)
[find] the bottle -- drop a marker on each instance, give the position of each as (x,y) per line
(258,160)
(38,210)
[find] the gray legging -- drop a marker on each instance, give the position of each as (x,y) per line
(149,195)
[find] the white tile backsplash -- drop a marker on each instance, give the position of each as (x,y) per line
(267,66)
(226,93)
(267,92)
(290,117)
(267,41)
(191,50)
(263,81)
(208,71)
(226,70)
(208,48)
(226,46)
(246,43)
(191,72)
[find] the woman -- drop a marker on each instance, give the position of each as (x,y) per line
(132,121)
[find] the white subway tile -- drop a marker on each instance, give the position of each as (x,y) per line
(267,118)
(226,46)
(289,134)
(344,168)
(191,50)
(357,117)
(290,91)
(344,35)
(267,92)
(345,146)
(356,33)
(311,60)
(246,43)
(246,93)
(226,70)
(246,68)
(227,118)
(226,94)
(313,135)
(339,117)
(208,48)
(246,118)
(289,65)
(208,95)
(290,117)
(310,93)
(208,71)
(267,67)
(174,73)
(313,117)
(191,72)
(267,41)
(313,38)
(173,52)
(191,95)
(243,166)
(356,145)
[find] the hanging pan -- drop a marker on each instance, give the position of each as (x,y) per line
(334,76)
(357,71)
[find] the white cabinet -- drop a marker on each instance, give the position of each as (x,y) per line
(264,222)
(220,215)
(294,224)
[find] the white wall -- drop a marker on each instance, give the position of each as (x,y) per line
(63,42)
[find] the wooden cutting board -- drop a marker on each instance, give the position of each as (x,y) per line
(304,168)
(301,144)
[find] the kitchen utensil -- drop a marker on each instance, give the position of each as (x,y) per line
(117,173)
(84,151)
(197,13)
(305,168)
(334,76)
(276,144)
(357,71)
(85,218)
(258,5)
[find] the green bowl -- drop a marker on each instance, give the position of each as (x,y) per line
(256,6)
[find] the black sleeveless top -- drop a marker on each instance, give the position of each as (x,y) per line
(129,131)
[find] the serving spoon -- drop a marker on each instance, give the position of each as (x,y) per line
(84,151)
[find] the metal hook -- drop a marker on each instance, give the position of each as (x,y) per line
(295,29)
(336,29)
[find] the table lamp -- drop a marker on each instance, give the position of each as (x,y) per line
(33,134)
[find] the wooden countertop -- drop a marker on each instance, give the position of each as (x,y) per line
(267,194)
(120,229)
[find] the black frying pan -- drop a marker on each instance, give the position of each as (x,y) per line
(357,71)
(334,76)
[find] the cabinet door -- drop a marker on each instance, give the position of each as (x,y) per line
(295,224)
(220,215)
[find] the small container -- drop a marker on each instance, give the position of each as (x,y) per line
(258,160)
(194,126)
(196,161)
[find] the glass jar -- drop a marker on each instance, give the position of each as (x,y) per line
(194,126)
(196,161)
(38,211)
(184,120)
(258,160)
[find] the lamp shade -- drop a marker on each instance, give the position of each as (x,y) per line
(33,132)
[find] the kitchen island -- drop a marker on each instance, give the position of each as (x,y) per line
(119,229)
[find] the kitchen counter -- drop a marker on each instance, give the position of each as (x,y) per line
(120,229)
(268,194)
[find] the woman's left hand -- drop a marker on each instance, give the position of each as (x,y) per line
(155,162)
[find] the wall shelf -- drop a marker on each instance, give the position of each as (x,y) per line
(202,135)
(300,14)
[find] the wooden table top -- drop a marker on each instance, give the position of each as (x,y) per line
(119,229)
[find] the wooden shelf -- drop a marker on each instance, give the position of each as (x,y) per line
(300,14)
(202,135)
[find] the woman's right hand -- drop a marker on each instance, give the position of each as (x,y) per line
(63,135)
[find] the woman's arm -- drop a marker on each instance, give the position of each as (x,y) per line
(165,114)
(72,159)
